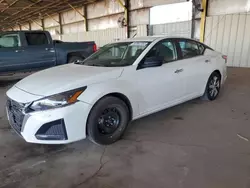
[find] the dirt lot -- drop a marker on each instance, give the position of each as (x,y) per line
(194,145)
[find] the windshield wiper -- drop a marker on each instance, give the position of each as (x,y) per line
(96,65)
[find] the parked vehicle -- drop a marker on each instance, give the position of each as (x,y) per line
(121,82)
(25,51)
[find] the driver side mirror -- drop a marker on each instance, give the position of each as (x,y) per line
(151,62)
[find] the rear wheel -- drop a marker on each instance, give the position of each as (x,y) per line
(107,121)
(73,59)
(213,87)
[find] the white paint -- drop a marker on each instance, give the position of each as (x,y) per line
(171,13)
(149,90)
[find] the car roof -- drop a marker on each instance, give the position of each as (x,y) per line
(150,38)
(157,37)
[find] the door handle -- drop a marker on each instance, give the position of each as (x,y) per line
(207,61)
(178,71)
(52,50)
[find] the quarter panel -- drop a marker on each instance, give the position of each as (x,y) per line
(216,63)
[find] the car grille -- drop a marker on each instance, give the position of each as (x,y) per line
(16,115)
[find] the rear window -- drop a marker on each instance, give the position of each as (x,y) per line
(36,39)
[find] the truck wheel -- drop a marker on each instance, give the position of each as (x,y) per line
(73,59)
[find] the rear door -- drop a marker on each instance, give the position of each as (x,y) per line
(195,66)
(12,57)
(40,50)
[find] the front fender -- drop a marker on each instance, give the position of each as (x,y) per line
(95,92)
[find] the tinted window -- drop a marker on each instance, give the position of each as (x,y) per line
(36,39)
(189,48)
(9,41)
(164,50)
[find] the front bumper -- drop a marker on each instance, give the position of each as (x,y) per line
(57,126)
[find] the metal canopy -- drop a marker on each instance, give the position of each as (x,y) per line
(18,12)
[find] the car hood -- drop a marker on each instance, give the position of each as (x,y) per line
(66,77)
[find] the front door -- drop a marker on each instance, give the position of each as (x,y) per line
(162,86)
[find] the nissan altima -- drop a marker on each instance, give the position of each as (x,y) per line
(123,81)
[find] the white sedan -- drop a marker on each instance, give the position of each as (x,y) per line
(121,82)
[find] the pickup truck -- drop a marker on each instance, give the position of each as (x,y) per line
(29,51)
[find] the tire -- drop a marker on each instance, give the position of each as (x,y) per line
(73,59)
(107,121)
(213,87)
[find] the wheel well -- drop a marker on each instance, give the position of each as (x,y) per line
(121,97)
(218,72)
(124,99)
(74,54)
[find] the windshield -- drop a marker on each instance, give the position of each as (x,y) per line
(116,55)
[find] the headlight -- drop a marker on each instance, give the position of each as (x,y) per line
(57,100)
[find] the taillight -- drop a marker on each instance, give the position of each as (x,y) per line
(94,48)
(225,58)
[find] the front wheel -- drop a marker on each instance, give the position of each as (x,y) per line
(107,121)
(213,87)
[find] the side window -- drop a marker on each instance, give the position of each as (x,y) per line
(164,50)
(10,41)
(36,39)
(189,48)
(201,48)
